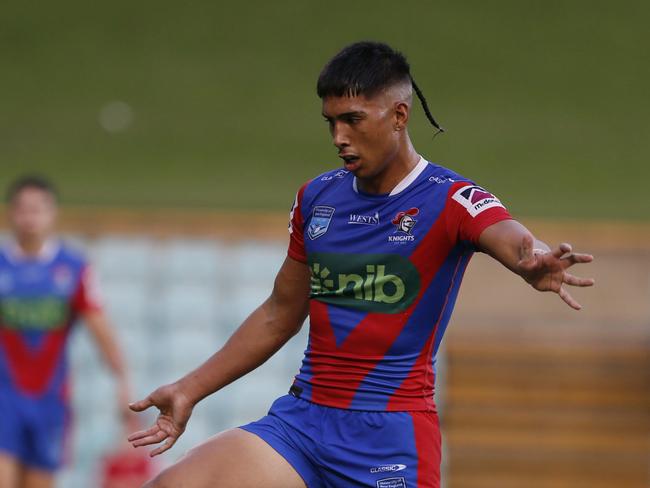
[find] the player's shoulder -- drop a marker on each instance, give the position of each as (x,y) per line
(333,180)
(72,253)
(452,181)
(329,178)
(5,252)
(441,175)
(464,192)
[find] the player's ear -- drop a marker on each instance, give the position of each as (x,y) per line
(401,115)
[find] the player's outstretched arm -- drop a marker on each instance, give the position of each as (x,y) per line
(267,329)
(98,324)
(543,268)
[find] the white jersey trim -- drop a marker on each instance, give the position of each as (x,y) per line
(46,254)
(406,181)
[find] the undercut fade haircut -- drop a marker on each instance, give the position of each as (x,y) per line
(36,182)
(365,68)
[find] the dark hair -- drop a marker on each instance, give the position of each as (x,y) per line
(31,181)
(365,68)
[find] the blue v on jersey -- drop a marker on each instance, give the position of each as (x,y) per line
(385,273)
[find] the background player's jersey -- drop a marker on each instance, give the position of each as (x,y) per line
(40,298)
(385,273)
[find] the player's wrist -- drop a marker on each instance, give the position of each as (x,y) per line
(190,388)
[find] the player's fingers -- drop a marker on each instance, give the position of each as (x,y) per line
(562,249)
(580,258)
(160,449)
(159,436)
(141,405)
(568,299)
(572,280)
(143,433)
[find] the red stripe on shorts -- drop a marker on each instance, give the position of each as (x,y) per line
(427,445)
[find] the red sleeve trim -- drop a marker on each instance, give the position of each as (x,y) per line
(298,257)
(296,229)
(87,298)
(483,221)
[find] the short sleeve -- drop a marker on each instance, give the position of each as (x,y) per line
(88,297)
(470,210)
(296,226)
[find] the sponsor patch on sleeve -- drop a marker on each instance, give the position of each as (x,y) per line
(476,199)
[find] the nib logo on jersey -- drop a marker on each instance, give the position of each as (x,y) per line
(384,283)
(404,223)
(476,199)
(33,313)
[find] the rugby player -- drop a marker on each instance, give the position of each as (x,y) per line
(376,256)
(44,287)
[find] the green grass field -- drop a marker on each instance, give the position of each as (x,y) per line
(545,103)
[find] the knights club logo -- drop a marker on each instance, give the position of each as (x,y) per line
(405,221)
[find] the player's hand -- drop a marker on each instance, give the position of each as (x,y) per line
(175,410)
(548,271)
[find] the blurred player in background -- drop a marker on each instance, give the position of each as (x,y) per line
(377,252)
(45,286)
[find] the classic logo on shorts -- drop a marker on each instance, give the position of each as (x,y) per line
(388,468)
(384,283)
(476,199)
(320,221)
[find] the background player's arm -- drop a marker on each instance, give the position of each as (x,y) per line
(98,324)
(543,268)
(265,331)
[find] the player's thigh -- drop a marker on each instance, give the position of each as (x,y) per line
(37,478)
(9,471)
(232,458)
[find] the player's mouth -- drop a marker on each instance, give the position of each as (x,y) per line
(350,161)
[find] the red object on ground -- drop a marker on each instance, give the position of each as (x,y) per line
(126,469)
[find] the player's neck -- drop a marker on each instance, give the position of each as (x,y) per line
(31,246)
(402,164)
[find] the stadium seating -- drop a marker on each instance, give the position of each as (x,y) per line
(173,303)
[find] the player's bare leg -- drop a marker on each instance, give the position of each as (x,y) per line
(9,471)
(36,478)
(232,458)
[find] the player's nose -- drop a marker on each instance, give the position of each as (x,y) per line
(339,138)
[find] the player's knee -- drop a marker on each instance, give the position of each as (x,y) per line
(166,479)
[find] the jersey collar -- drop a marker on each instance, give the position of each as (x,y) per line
(48,252)
(406,181)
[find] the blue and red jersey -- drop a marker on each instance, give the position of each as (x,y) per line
(40,300)
(385,274)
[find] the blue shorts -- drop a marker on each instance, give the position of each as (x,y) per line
(33,430)
(332,447)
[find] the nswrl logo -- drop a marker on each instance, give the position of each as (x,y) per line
(385,283)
